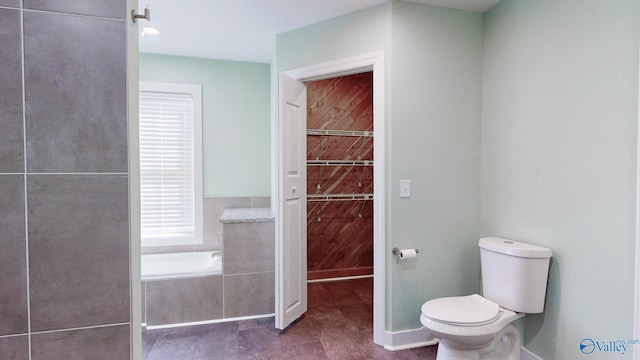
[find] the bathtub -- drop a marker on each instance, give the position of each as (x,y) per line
(181,265)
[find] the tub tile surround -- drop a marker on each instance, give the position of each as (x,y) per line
(246,286)
(249,247)
(213,207)
(249,294)
(248,261)
(64,203)
(183,300)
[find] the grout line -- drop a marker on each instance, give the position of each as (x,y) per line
(80,328)
(13,335)
(77,15)
(24,177)
(343,278)
(60,173)
(251,273)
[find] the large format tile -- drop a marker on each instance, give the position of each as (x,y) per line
(13,264)
(213,207)
(183,300)
(11,136)
(14,348)
(327,331)
(78,250)
(104,343)
(104,8)
(11,3)
(249,247)
(249,294)
(75,88)
(261,202)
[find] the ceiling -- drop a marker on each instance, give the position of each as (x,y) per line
(245,30)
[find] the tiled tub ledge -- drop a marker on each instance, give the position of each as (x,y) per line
(248,215)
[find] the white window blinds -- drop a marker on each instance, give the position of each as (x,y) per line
(170,201)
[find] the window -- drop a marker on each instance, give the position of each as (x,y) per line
(170,164)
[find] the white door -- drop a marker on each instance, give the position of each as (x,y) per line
(291,244)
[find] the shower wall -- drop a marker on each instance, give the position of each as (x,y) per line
(339,228)
(64,292)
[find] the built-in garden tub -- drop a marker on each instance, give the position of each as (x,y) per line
(181,265)
(181,288)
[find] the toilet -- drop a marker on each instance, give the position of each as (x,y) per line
(514,283)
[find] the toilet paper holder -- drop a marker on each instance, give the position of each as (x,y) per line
(396,251)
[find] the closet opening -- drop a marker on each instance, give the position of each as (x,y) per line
(340,186)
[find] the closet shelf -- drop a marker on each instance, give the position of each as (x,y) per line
(339,197)
(340,162)
(324,132)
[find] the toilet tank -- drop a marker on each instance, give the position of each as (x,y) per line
(514,274)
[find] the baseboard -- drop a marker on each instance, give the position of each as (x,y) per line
(528,355)
(339,273)
(408,339)
(206,322)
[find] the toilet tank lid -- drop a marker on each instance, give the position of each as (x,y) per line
(514,248)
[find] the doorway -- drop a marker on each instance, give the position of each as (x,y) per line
(289,281)
(340,178)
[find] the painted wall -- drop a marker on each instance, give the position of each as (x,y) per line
(433,132)
(436,66)
(64,215)
(559,128)
(236,119)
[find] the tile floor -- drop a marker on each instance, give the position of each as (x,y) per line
(338,325)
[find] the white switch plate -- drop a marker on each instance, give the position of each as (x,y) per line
(405,188)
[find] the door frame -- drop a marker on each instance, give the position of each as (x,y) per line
(636,295)
(362,63)
(135,250)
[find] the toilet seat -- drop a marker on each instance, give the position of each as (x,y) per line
(472,310)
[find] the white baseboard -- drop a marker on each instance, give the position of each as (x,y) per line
(206,322)
(528,355)
(408,339)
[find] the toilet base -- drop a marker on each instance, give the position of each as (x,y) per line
(505,346)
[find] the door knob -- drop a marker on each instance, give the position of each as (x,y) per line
(293,189)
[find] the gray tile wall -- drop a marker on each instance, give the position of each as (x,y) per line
(63,181)
(247,285)
(249,294)
(212,210)
(183,300)
(249,247)
(14,348)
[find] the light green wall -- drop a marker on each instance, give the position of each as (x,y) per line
(433,69)
(236,119)
(354,34)
(559,125)
(436,67)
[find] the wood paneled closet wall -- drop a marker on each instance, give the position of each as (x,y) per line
(340,177)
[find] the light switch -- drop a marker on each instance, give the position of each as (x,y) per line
(405,188)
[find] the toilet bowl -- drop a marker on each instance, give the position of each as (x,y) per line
(475,327)
(472,327)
